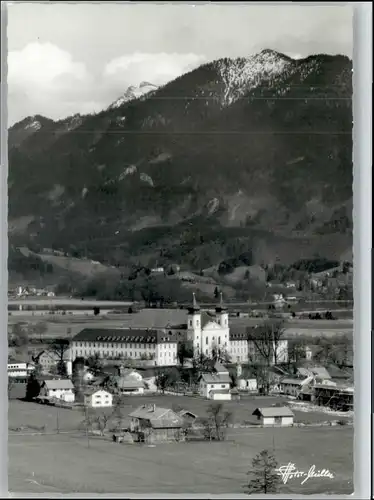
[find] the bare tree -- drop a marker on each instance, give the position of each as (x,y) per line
(60,347)
(266,342)
(102,422)
(264,473)
(218,419)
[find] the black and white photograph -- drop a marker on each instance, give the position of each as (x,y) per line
(180,249)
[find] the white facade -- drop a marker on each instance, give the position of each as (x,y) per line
(284,421)
(162,353)
(247,384)
(98,399)
(20,369)
(59,389)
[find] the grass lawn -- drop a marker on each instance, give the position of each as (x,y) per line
(66,464)
(22,414)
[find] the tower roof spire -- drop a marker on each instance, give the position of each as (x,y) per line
(221,306)
(194,308)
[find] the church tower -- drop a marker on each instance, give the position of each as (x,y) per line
(222,318)
(222,315)
(194,325)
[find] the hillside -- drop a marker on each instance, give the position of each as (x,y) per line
(237,155)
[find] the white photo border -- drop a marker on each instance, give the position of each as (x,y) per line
(362,231)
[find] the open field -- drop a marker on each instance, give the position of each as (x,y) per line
(69,463)
(58,325)
(21,414)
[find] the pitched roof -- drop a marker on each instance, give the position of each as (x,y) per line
(216,378)
(158,417)
(127,383)
(219,368)
(294,381)
(274,411)
(319,371)
(147,336)
(59,384)
(93,390)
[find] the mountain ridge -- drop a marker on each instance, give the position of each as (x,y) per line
(257,143)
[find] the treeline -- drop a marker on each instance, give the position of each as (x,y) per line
(139,285)
(22,264)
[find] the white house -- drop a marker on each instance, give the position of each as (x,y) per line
(216,385)
(245,380)
(98,399)
(60,389)
(274,416)
(20,369)
(130,386)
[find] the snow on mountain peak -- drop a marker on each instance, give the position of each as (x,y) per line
(134,92)
(243,74)
(34,124)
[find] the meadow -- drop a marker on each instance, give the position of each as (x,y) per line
(67,463)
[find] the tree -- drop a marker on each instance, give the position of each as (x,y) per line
(264,473)
(10,386)
(102,422)
(220,355)
(218,419)
(96,311)
(216,293)
(40,329)
(32,387)
(60,347)
(94,364)
(165,379)
(185,351)
(266,340)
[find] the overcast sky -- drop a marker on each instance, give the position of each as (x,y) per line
(78,58)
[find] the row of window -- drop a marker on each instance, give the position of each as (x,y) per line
(98,345)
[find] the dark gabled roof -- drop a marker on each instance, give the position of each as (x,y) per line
(216,378)
(275,411)
(146,336)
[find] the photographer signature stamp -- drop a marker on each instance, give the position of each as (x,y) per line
(290,471)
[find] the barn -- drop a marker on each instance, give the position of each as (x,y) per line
(275,415)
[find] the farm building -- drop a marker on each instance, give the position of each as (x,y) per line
(130,386)
(61,389)
(188,417)
(98,398)
(153,424)
(337,397)
(216,385)
(274,416)
(293,386)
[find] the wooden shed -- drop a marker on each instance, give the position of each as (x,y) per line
(275,415)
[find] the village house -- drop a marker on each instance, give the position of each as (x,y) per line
(20,369)
(60,389)
(48,361)
(293,386)
(128,386)
(275,415)
(245,379)
(154,424)
(98,398)
(216,385)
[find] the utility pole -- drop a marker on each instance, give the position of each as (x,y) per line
(57,421)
